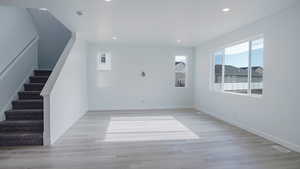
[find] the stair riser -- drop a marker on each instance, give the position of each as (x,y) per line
(27,96)
(24,123)
(24,117)
(21,141)
(42,73)
(27,105)
(30,87)
(21,128)
(38,80)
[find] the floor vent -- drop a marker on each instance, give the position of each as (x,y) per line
(281,149)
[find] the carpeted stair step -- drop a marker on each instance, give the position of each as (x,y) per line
(21,139)
(24,123)
(21,126)
(30,95)
(42,72)
(38,79)
(26,114)
(34,86)
(27,104)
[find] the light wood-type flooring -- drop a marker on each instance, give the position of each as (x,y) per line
(157,139)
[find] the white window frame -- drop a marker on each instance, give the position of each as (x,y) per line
(222,50)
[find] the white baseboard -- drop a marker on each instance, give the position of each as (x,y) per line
(137,109)
(267,136)
(15,95)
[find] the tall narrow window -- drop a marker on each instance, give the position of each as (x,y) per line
(257,67)
(180,71)
(239,68)
(218,70)
(236,68)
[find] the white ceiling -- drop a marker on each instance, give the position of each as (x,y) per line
(156,22)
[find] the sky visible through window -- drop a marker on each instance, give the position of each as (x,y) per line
(180,59)
(232,69)
(238,55)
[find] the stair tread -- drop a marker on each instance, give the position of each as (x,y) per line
(21,122)
(24,114)
(28,104)
(20,134)
(25,110)
(30,95)
(38,76)
(43,70)
(30,92)
(29,100)
(34,83)
(34,86)
(21,126)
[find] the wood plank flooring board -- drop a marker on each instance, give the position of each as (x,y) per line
(86,145)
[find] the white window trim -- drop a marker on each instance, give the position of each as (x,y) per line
(222,49)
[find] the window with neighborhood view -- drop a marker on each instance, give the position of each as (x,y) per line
(239,68)
(180,71)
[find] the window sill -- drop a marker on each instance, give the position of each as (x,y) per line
(239,94)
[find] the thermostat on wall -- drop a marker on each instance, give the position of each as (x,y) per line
(104,61)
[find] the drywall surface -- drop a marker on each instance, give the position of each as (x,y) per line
(123,87)
(54,37)
(68,97)
(18,52)
(276,114)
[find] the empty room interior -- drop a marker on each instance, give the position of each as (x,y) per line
(149,84)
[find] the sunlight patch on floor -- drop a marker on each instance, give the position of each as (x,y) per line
(147,128)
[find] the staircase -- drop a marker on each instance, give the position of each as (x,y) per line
(24,122)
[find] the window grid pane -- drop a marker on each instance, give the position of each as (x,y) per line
(239,68)
(236,69)
(257,67)
(218,71)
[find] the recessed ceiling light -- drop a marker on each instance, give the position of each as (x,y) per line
(114,38)
(178,41)
(79,13)
(226,9)
(43,9)
(107,0)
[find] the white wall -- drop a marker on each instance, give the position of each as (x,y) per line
(124,88)
(16,32)
(276,115)
(53,38)
(68,97)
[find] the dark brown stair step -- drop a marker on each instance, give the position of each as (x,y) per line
(21,126)
(27,104)
(42,72)
(21,138)
(34,86)
(26,114)
(38,79)
(25,95)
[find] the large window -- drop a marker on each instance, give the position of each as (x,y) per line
(239,68)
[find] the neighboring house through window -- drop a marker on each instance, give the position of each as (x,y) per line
(180,71)
(239,68)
